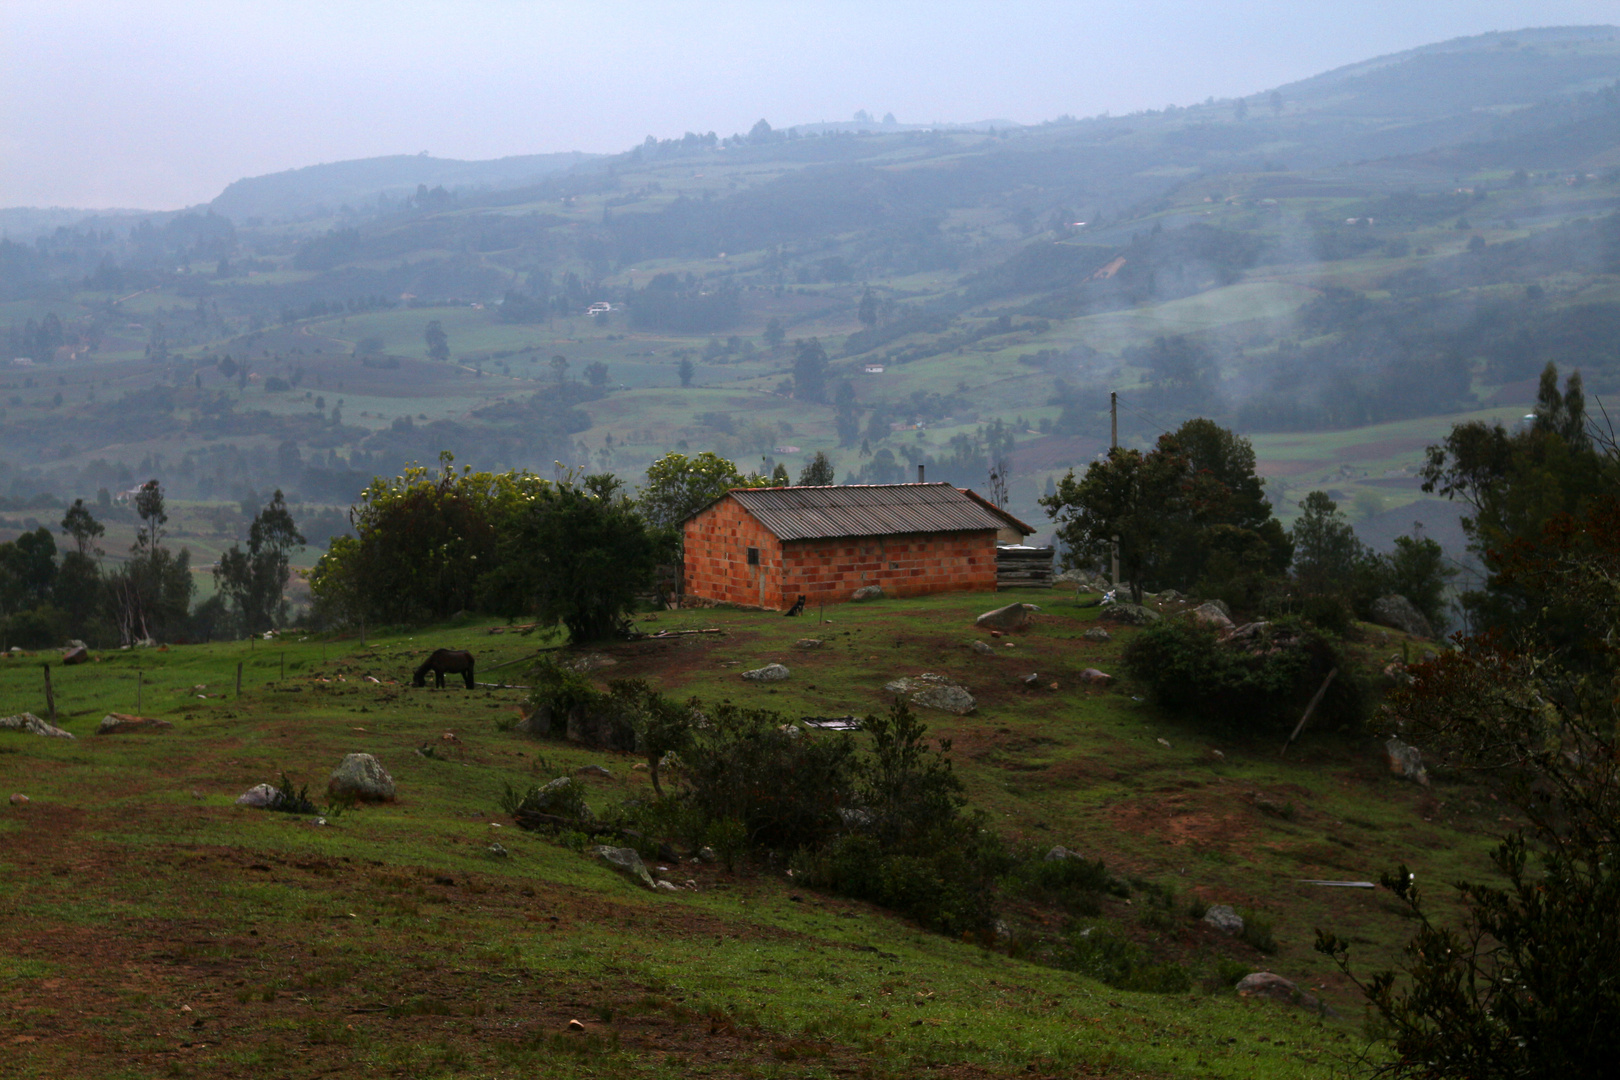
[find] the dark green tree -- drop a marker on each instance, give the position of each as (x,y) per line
(686,371)
(1524,984)
(845,417)
(256,579)
(596,373)
(810,371)
(150,595)
(818,471)
(27,570)
(867,313)
(774,334)
(580,553)
(438,342)
(1189,513)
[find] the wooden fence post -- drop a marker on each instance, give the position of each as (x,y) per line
(139,680)
(239,678)
(50,695)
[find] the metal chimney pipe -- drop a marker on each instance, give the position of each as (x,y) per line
(919,473)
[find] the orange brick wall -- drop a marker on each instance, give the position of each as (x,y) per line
(827,571)
(717,543)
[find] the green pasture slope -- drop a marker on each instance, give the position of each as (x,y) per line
(155,928)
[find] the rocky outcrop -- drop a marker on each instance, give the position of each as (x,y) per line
(1406,761)
(1011,617)
(29,724)
(123,724)
(768,673)
(360,778)
(1129,614)
(1399,613)
(627,863)
(933,692)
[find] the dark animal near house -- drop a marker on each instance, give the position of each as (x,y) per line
(443,662)
(796,609)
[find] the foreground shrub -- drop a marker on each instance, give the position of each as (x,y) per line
(1260,681)
(1121,963)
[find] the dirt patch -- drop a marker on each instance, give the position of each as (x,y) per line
(1202,819)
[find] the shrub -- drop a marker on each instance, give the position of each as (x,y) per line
(288,801)
(784,785)
(1257,682)
(1121,964)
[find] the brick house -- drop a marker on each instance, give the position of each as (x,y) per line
(766,547)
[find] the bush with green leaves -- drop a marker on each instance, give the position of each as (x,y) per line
(1120,963)
(1254,683)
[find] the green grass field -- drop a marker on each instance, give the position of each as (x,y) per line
(155,928)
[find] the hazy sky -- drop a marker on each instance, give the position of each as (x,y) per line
(158,105)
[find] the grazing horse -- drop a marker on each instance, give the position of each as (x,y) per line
(452,661)
(796,609)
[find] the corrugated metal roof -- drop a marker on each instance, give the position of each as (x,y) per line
(813,513)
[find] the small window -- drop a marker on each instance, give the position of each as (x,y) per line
(753,556)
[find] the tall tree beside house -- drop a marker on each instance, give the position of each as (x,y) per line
(678,486)
(685,372)
(845,417)
(1190,513)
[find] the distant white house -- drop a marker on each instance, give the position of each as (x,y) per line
(873,369)
(601,307)
(22,361)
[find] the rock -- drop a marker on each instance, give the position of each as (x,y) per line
(1397,673)
(1399,613)
(1059,853)
(1129,614)
(1032,679)
(982,648)
(1406,761)
(1224,919)
(1168,596)
(559,798)
(1072,577)
(258,796)
(1211,614)
(666,886)
(1097,633)
(868,592)
(625,861)
(30,724)
(537,723)
(121,723)
(360,777)
(593,770)
(588,662)
(768,673)
(667,853)
(575,1025)
(854,817)
(1263,984)
(706,855)
(19,799)
(76,654)
(1092,677)
(496,851)
(807,643)
(1011,617)
(1249,631)
(934,692)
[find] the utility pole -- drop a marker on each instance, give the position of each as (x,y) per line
(1113,444)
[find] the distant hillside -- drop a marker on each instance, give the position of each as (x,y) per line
(299,192)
